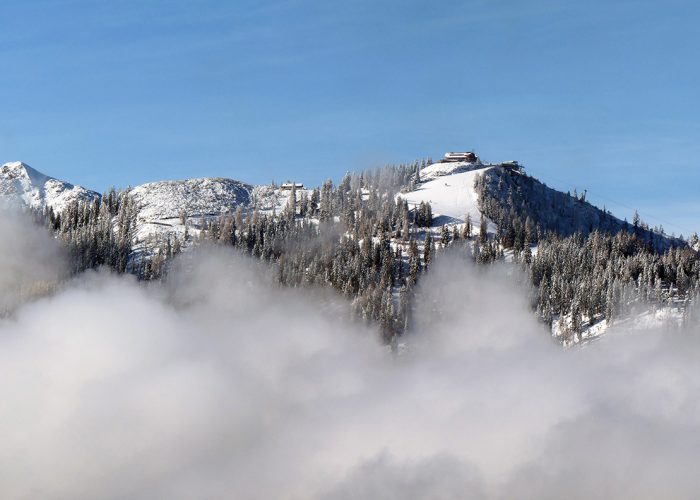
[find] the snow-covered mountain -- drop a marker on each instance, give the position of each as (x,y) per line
(23,186)
(193,197)
(450,188)
(159,204)
(162,206)
(505,190)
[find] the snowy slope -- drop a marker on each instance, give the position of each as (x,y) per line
(268,199)
(160,204)
(449,188)
(196,197)
(645,318)
(23,186)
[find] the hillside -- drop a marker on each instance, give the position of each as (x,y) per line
(193,197)
(163,206)
(504,193)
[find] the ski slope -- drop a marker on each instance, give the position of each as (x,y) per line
(449,188)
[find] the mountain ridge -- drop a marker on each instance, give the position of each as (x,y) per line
(24,186)
(500,191)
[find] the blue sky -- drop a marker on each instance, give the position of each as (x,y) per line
(597,95)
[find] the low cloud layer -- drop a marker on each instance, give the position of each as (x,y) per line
(219,384)
(31,263)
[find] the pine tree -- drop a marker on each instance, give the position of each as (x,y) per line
(291,207)
(428,249)
(444,236)
(386,315)
(483,234)
(467,232)
(414,264)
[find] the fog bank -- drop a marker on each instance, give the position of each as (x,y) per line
(30,260)
(219,384)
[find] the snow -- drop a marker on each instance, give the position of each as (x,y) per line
(647,317)
(194,197)
(160,204)
(26,187)
(449,188)
(268,199)
(435,170)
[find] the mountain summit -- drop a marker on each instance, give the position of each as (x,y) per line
(23,186)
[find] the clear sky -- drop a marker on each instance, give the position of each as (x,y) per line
(597,95)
